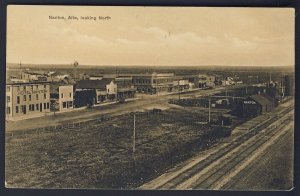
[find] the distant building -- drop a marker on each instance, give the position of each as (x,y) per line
(228,81)
(34,76)
(95,77)
(193,80)
(206,80)
(59,77)
(61,96)
(289,84)
(90,92)
(83,76)
(180,84)
(27,100)
(153,83)
(257,104)
(125,87)
(218,79)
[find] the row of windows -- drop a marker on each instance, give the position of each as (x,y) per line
(68,104)
(162,80)
(21,109)
(148,81)
(62,95)
(25,98)
(143,81)
(32,87)
(30,97)
(31,107)
(205,78)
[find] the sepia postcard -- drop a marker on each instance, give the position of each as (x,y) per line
(150,98)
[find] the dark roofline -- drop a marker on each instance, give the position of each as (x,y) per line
(260,99)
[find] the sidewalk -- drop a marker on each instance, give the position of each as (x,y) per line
(65,111)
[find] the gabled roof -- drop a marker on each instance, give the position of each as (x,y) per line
(267,97)
(261,99)
(93,84)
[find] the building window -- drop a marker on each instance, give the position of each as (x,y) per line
(45,96)
(8,89)
(70,94)
(107,90)
(71,104)
(29,96)
(37,106)
(8,99)
(24,97)
(45,106)
(18,99)
(37,87)
(17,109)
(62,95)
(48,105)
(29,107)
(8,110)
(64,104)
(44,86)
(37,96)
(24,88)
(32,107)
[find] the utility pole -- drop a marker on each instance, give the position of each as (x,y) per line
(282,86)
(179,91)
(133,147)
(226,95)
(20,64)
(209,109)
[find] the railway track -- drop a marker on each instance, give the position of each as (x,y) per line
(205,172)
(213,178)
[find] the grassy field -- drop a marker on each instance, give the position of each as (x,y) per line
(99,154)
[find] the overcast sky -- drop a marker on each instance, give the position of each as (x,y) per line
(151,36)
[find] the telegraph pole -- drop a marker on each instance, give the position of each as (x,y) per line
(133,147)
(209,109)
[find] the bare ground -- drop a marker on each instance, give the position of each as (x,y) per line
(99,154)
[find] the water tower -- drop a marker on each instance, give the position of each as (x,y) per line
(75,71)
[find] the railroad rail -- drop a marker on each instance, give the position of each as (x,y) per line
(185,177)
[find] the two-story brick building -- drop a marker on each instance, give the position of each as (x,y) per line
(153,83)
(27,100)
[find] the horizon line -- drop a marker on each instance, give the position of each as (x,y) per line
(136,65)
